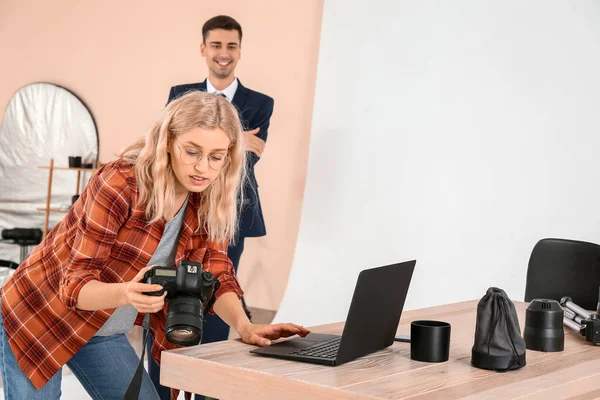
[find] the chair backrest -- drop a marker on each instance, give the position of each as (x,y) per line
(562,267)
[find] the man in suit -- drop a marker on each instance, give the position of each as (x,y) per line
(221,48)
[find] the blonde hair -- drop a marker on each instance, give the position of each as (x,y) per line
(221,201)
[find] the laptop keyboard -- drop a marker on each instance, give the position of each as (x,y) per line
(326,349)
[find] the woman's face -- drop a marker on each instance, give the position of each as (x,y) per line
(197,157)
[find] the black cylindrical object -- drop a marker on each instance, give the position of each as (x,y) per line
(23,235)
(544,329)
(429,341)
(74,161)
(184,320)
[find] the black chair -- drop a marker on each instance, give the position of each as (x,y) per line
(561,267)
(23,237)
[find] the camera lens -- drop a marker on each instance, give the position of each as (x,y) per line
(184,320)
(183,335)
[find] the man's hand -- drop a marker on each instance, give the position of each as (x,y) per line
(253,142)
(261,335)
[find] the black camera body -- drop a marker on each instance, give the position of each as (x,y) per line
(187,278)
(190,290)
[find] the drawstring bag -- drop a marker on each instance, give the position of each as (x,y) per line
(498,345)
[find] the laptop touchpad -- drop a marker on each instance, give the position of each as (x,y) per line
(308,340)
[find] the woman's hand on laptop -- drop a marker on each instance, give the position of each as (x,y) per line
(229,307)
(261,335)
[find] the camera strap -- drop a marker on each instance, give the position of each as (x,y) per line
(133,391)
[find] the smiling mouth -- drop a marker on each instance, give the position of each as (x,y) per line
(223,63)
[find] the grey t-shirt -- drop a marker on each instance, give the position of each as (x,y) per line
(121,321)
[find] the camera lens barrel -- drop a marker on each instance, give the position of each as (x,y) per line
(184,320)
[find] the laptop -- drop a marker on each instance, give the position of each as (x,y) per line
(371,324)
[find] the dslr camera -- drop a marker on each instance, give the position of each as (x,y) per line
(190,291)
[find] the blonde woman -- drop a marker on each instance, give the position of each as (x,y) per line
(169,197)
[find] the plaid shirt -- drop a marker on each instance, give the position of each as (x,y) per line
(104,237)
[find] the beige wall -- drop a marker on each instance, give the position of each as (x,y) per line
(121,58)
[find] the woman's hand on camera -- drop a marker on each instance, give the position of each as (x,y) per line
(261,335)
(134,294)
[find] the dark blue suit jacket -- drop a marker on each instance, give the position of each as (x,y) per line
(255,112)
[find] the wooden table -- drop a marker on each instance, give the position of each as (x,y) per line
(227,371)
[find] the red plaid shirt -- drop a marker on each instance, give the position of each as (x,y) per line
(104,237)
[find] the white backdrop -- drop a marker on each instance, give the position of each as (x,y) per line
(454,133)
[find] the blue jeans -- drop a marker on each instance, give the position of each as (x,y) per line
(104,366)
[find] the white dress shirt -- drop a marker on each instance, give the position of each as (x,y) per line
(229,91)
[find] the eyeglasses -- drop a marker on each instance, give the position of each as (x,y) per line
(191,155)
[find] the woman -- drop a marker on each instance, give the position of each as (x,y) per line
(169,197)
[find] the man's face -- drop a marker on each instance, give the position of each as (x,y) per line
(222,50)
